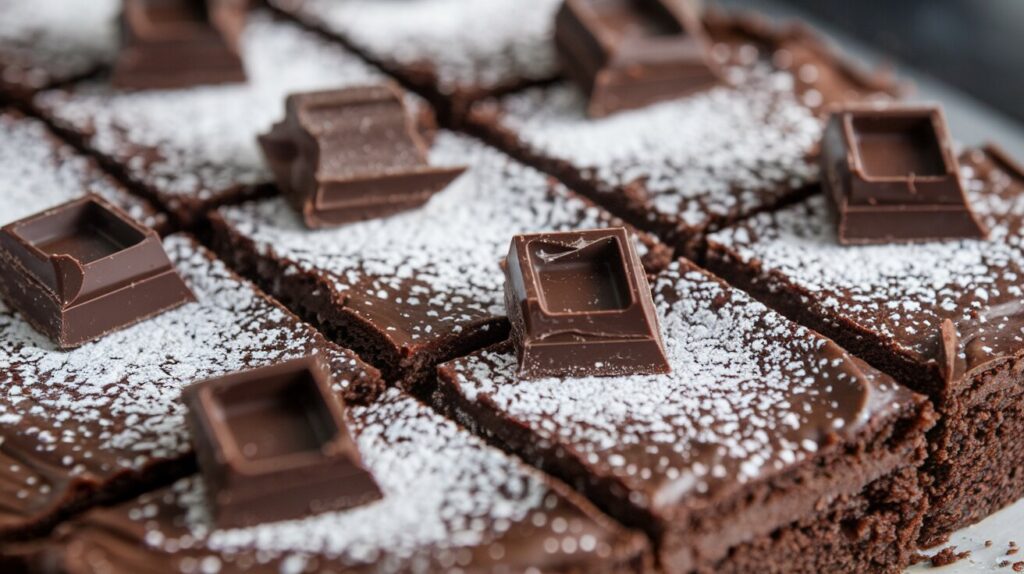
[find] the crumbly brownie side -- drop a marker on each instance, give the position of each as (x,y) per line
(420,287)
(683,168)
(887,305)
(675,456)
(102,422)
(449,502)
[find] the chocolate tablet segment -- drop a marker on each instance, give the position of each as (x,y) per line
(892,176)
(350,155)
(180,43)
(273,445)
(84,269)
(580,305)
(630,53)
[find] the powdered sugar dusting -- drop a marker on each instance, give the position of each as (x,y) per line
(112,405)
(437,264)
(900,291)
(37,172)
(201,141)
(45,41)
(750,393)
(477,44)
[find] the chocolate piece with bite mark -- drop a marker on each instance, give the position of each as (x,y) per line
(631,53)
(273,445)
(169,44)
(85,268)
(580,305)
(892,176)
(353,154)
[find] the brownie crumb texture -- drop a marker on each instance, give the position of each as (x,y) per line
(948,556)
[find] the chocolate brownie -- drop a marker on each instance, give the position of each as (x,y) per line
(694,164)
(192,149)
(44,43)
(37,171)
(103,421)
(944,318)
(450,504)
(452,52)
(420,287)
(767,448)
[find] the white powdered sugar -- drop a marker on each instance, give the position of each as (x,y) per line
(445,492)
(466,44)
(113,404)
(439,264)
(727,150)
(200,141)
(902,291)
(750,394)
(44,41)
(37,172)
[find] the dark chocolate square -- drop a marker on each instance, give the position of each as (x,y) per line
(892,176)
(630,53)
(580,305)
(180,43)
(273,445)
(352,154)
(86,268)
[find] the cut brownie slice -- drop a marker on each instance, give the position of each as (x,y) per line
(767,448)
(945,318)
(192,149)
(48,42)
(38,171)
(687,166)
(419,287)
(103,421)
(454,52)
(451,504)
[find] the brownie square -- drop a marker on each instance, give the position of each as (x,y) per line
(38,171)
(98,423)
(44,43)
(944,318)
(451,504)
(760,451)
(420,287)
(691,165)
(190,150)
(453,52)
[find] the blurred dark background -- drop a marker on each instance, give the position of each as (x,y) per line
(975,45)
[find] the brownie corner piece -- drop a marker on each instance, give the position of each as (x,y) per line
(763,441)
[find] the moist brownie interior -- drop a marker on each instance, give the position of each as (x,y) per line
(887,304)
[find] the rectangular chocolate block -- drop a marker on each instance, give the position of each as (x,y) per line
(83,269)
(892,176)
(273,445)
(190,150)
(627,54)
(580,305)
(767,448)
(420,287)
(454,53)
(452,504)
(684,168)
(170,44)
(944,318)
(104,421)
(352,154)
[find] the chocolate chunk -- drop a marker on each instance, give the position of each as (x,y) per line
(631,53)
(892,176)
(85,268)
(580,305)
(273,445)
(180,43)
(353,154)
